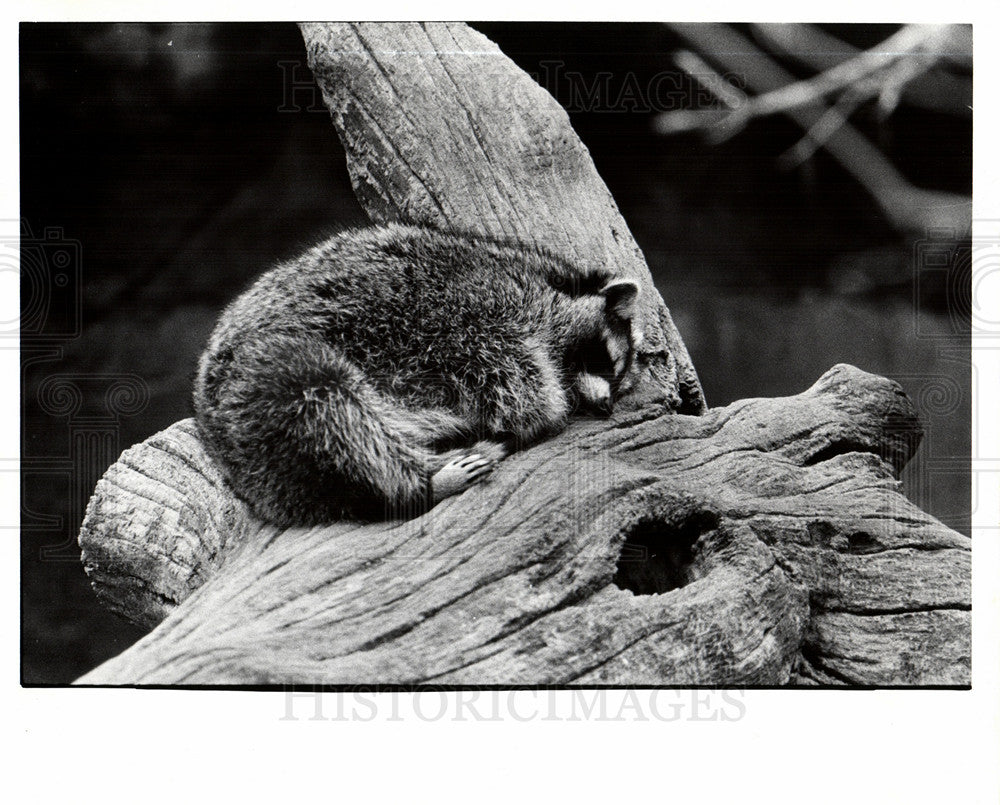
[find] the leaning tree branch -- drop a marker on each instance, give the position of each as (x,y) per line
(762,543)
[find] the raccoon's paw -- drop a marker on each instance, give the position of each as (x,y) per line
(494,451)
(459,474)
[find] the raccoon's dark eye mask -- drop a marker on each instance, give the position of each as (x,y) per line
(592,357)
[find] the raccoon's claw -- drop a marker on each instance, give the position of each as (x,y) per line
(459,474)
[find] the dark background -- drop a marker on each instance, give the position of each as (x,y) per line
(164,166)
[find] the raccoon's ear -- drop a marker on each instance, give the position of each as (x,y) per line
(621,298)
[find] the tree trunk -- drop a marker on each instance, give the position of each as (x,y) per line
(762,543)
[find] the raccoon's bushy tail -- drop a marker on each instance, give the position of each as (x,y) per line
(307,439)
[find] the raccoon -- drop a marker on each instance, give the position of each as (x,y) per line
(351,381)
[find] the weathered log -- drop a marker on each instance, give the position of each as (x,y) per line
(762,543)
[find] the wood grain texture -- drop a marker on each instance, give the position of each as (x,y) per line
(766,542)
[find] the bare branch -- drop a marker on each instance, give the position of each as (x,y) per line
(912,42)
(935,90)
(866,76)
(907,207)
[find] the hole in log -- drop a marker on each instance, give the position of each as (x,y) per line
(657,556)
(860,542)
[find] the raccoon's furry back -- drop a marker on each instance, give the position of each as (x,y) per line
(328,387)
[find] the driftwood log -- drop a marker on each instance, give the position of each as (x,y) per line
(766,542)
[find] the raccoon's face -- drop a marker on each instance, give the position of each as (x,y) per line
(600,362)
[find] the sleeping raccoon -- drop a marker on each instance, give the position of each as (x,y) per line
(350,382)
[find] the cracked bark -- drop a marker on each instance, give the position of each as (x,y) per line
(766,542)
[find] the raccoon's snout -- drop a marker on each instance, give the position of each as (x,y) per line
(604,406)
